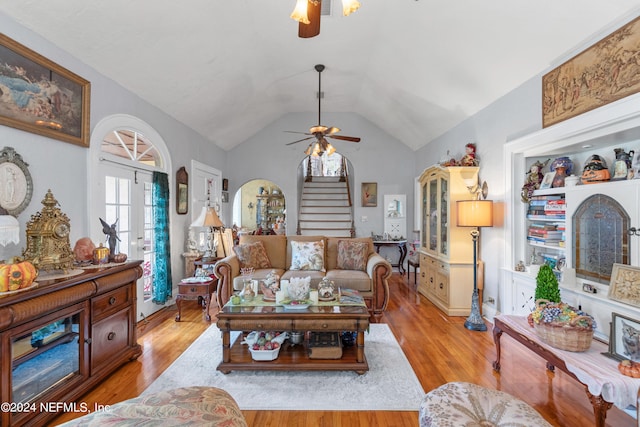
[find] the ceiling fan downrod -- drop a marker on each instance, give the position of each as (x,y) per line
(319,68)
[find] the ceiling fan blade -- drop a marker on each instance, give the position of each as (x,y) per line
(331,130)
(311,29)
(293,131)
(344,138)
(300,140)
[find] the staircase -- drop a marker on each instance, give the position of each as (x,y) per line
(325,208)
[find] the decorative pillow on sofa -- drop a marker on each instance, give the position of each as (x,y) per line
(352,255)
(252,255)
(307,255)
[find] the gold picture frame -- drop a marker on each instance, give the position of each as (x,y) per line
(602,73)
(182,191)
(369,194)
(624,285)
(41,97)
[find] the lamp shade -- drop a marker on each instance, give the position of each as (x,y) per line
(208,218)
(475,213)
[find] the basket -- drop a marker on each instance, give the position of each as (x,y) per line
(566,336)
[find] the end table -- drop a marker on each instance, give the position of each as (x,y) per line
(190,289)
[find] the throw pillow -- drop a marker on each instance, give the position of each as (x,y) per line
(307,255)
(352,255)
(252,255)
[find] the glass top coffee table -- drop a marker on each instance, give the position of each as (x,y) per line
(271,317)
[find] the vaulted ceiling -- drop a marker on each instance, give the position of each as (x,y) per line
(229,68)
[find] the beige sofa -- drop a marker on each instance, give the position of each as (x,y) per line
(370,283)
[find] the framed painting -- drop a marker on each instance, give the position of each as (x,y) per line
(182,191)
(547,180)
(603,73)
(623,338)
(39,96)
(624,285)
(369,192)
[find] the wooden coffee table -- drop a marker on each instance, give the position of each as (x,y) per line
(321,318)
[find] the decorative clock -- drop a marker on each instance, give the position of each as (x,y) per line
(16,186)
(48,247)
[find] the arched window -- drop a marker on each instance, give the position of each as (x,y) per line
(600,237)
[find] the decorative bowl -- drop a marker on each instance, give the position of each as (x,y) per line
(264,355)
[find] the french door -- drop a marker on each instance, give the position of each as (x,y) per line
(127,200)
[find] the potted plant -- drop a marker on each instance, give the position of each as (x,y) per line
(547,285)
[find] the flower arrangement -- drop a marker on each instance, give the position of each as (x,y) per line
(561,314)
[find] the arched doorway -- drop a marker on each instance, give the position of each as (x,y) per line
(260,205)
(125,152)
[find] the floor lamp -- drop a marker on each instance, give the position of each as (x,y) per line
(475,213)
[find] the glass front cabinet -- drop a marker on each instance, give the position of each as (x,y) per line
(63,337)
(446,252)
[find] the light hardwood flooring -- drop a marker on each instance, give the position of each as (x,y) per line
(439,348)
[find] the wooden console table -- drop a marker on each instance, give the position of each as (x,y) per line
(604,384)
(402,247)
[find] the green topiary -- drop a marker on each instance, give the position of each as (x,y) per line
(547,285)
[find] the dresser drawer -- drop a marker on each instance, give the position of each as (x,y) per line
(109,337)
(326,324)
(106,304)
(257,325)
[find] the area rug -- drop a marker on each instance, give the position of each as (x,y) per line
(390,384)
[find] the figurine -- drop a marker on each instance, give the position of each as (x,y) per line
(469,159)
(532,183)
(112,233)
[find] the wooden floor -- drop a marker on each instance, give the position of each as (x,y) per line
(439,348)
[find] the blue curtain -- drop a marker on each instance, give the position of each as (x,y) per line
(162,272)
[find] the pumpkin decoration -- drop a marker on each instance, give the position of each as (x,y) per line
(17,274)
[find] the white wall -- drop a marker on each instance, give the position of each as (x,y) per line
(62,167)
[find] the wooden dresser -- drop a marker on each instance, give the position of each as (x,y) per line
(61,338)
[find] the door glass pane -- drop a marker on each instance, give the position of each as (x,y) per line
(110,189)
(444,217)
(433,215)
(424,216)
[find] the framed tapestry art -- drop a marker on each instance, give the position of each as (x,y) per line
(39,96)
(605,72)
(625,284)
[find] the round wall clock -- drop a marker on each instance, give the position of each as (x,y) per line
(16,186)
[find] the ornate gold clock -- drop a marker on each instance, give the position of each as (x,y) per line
(48,246)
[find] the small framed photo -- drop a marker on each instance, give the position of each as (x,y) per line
(547,180)
(624,285)
(369,192)
(225,197)
(623,338)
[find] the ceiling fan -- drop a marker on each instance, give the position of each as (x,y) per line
(320,132)
(307,13)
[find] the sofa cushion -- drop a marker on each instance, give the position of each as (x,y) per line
(276,247)
(352,279)
(352,255)
(252,255)
(331,260)
(307,255)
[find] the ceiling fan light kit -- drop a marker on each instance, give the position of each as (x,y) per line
(307,13)
(320,132)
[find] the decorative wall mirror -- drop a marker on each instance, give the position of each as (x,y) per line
(182,191)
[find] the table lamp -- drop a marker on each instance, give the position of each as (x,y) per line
(209,218)
(475,213)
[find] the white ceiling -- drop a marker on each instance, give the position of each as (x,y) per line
(229,68)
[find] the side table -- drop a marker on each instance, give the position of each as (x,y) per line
(402,248)
(189,289)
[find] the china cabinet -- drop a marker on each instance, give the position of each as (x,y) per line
(597,216)
(270,209)
(62,337)
(446,250)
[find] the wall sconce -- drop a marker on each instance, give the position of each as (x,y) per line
(633,231)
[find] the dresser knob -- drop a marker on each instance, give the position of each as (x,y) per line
(259,325)
(193,289)
(324,325)
(112,300)
(441,286)
(111,336)
(87,340)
